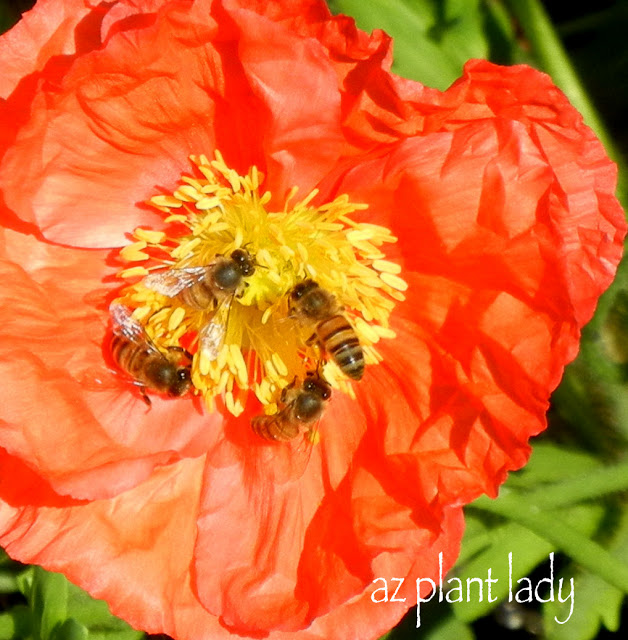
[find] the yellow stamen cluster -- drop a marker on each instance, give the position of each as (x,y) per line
(255,342)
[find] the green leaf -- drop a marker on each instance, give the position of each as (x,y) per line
(598,603)
(501,36)
(448,627)
(16,623)
(437,623)
(95,615)
(8,582)
(595,603)
(528,550)
(488,542)
(550,463)
(568,529)
(47,595)
(58,604)
(70,630)
(432,39)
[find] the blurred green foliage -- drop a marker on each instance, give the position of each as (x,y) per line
(40,605)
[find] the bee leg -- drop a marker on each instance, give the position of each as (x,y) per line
(311,340)
(145,397)
(284,391)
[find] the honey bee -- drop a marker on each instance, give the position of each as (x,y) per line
(303,406)
(136,354)
(312,304)
(203,287)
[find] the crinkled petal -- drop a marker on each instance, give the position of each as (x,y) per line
(252,581)
(295,82)
(44,32)
(104,439)
(147,548)
(143,104)
(134,551)
(509,231)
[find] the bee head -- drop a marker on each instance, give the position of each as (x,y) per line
(314,384)
(302,288)
(229,273)
(182,382)
(245,264)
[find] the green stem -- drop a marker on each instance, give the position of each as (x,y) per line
(594,484)
(551,54)
(585,552)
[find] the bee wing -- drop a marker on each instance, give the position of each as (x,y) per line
(171,282)
(287,460)
(302,449)
(212,335)
(124,324)
(211,338)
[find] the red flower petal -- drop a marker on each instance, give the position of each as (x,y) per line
(262,564)
(52,342)
(153,527)
(137,145)
(48,30)
(148,529)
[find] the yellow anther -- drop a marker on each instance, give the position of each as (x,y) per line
(176,217)
(133,272)
(205,204)
(365,330)
(133,252)
(394,281)
(384,332)
(279,364)
(176,318)
(166,201)
(149,235)
(387,267)
(250,339)
(271,369)
(239,365)
(360,234)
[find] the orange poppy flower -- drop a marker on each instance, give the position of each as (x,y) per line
(464,236)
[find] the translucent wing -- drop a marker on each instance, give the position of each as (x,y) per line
(171,282)
(287,460)
(212,335)
(125,325)
(211,338)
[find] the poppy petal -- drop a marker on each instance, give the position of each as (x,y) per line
(52,340)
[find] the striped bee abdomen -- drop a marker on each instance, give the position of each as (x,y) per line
(130,356)
(199,296)
(339,339)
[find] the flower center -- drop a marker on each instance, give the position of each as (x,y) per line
(246,290)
